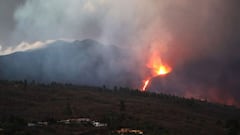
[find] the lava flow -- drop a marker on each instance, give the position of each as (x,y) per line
(157,68)
(145,84)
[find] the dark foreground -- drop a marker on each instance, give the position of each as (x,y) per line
(24,107)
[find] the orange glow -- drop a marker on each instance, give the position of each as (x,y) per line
(156,67)
(145,85)
(163,70)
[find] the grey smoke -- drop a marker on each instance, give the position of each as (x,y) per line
(199,39)
(84,62)
(7,23)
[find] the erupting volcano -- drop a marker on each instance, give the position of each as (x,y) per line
(157,67)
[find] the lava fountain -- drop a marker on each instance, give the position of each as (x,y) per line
(157,68)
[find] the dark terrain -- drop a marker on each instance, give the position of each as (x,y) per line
(155,114)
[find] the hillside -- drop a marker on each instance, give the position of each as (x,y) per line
(92,63)
(154,114)
(68,62)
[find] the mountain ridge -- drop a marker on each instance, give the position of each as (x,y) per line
(81,62)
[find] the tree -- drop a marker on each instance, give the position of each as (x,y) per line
(25,84)
(122,106)
(232,127)
(68,110)
(115,88)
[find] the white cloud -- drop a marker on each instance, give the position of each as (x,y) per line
(24,46)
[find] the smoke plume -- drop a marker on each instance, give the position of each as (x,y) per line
(198,39)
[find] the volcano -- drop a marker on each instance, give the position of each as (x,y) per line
(163,84)
(86,62)
(190,81)
(91,63)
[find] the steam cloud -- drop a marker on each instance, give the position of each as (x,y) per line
(24,46)
(199,39)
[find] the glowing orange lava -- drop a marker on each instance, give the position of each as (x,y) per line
(157,68)
(163,70)
(145,85)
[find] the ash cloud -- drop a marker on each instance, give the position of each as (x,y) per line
(7,23)
(84,62)
(199,39)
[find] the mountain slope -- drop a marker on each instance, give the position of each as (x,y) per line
(82,62)
(120,108)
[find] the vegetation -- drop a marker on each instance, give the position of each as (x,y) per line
(154,114)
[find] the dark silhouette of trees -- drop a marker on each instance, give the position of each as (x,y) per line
(25,83)
(122,106)
(232,127)
(68,110)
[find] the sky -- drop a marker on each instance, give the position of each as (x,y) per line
(203,35)
(197,25)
